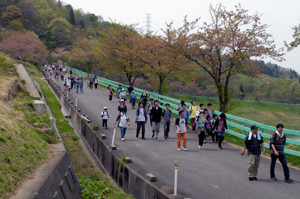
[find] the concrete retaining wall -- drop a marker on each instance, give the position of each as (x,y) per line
(124,175)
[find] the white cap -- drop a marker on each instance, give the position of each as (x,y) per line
(105,107)
(121,100)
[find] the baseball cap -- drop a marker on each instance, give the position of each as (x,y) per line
(254,127)
(121,100)
(105,107)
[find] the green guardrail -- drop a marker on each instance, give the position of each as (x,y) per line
(241,125)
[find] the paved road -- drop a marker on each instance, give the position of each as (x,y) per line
(209,173)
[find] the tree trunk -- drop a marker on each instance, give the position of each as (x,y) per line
(220,92)
(161,82)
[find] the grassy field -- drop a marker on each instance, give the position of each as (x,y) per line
(93,183)
(22,147)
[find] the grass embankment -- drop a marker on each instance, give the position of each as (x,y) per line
(22,146)
(93,183)
(264,113)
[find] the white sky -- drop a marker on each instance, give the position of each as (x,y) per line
(280,15)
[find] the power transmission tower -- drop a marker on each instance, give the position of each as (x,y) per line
(148,22)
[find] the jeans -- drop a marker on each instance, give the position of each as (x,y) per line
(132,103)
(166,128)
(123,131)
(220,140)
(110,97)
(201,136)
(77,88)
(139,125)
(104,123)
(282,160)
(95,85)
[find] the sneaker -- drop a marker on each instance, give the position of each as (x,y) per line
(274,178)
(288,180)
(179,149)
(204,141)
(254,178)
(199,147)
(250,179)
(143,138)
(185,149)
(123,139)
(166,137)
(220,147)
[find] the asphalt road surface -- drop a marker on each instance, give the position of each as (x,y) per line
(207,173)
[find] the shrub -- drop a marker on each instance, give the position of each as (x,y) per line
(96,128)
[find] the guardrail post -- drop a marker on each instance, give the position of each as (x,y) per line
(262,130)
(229,127)
(245,125)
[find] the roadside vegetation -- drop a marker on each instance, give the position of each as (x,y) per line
(93,183)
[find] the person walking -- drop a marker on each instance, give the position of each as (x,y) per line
(123,122)
(181,130)
(62,76)
(144,98)
(96,81)
(105,117)
(186,113)
(68,84)
(122,106)
(156,114)
(211,111)
(214,131)
(72,78)
(77,84)
(253,142)
(221,126)
(130,89)
(179,107)
(192,112)
(141,119)
(81,83)
(91,81)
(277,143)
(132,99)
(119,89)
(123,95)
(111,92)
(149,108)
(168,118)
(200,124)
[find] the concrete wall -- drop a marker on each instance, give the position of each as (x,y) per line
(124,175)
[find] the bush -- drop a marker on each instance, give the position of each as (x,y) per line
(96,128)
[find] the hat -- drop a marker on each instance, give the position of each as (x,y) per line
(105,107)
(254,127)
(121,100)
(122,89)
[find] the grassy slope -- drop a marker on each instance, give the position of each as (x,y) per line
(93,183)
(22,149)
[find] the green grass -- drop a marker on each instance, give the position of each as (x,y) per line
(93,183)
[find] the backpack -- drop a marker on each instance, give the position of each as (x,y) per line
(275,137)
(221,126)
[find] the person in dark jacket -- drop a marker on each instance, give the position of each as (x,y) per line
(141,120)
(277,142)
(157,119)
(253,142)
(221,126)
(130,89)
(122,106)
(144,98)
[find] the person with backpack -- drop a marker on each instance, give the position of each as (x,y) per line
(254,143)
(168,118)
(91,81)
(119,89)
(193,111)
(277,143)
(111,92)
(141,119)
(179,107)
(123,95)
(105,117)
(144,98)
(132,99)
(181,130)
(122,106)
(200,124)
(221,126)
(123,122)
(149,108)
(156,115)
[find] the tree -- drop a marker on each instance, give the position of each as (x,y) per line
(119,51)
(25,45)
(296,37)
(86,52)
(160,58)
(71,15)
(225,46)
(13,17)
(61,32)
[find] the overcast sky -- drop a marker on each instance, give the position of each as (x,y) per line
(280,15)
